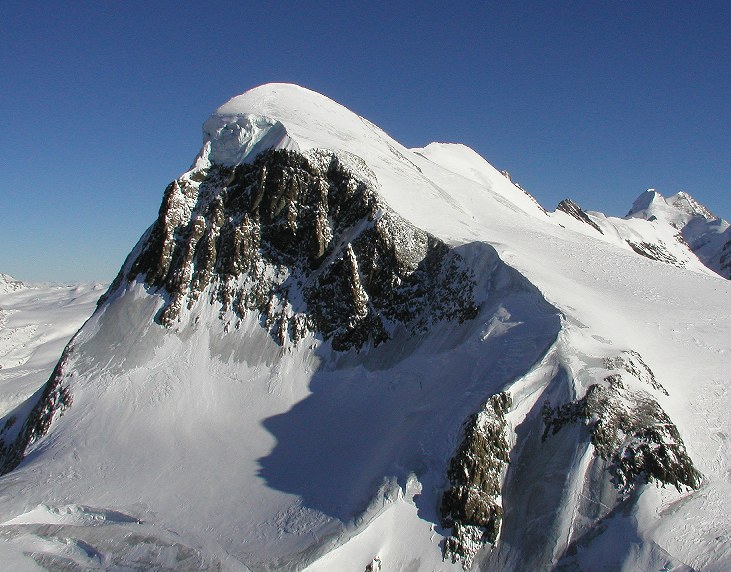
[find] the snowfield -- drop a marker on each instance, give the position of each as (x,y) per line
(210,443)
(36,322)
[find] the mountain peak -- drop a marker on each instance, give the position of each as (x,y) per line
(286,116)
(9,284)
(269,98)
(645,201)
(684,202)
(678,209)
(348,340)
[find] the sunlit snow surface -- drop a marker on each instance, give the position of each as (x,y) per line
(36,322)
(197,448)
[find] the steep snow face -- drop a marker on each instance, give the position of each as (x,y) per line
(586,378)
(236,139)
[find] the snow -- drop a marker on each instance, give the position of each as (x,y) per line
(677,209)
(9,284)
(36,322)
(705,233)
(312,120)
(230,450)
(236,139)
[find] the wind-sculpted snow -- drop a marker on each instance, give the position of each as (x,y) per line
(240,139)
(307,245)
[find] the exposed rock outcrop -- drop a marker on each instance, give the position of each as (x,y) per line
(374,565)
(655,251)
(15,438)
(571,208)
(632,362)
(308,244)
(631,431)
(471,506)
(305,242)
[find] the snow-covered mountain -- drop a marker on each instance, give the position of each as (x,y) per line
(677,230)
(708,236)
(330,352)
(9,284)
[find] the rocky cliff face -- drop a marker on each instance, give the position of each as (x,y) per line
(17,434)
(306,242)
(628,428)
(471,506)
(725,261)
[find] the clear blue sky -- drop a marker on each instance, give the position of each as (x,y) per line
(101,103)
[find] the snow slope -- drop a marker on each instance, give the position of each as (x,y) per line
(36,322)
(208,444)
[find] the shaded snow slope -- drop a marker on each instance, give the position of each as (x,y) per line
(209,441)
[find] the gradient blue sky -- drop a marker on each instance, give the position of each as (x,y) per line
(101,103)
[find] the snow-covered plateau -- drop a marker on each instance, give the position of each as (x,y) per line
(331,352)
